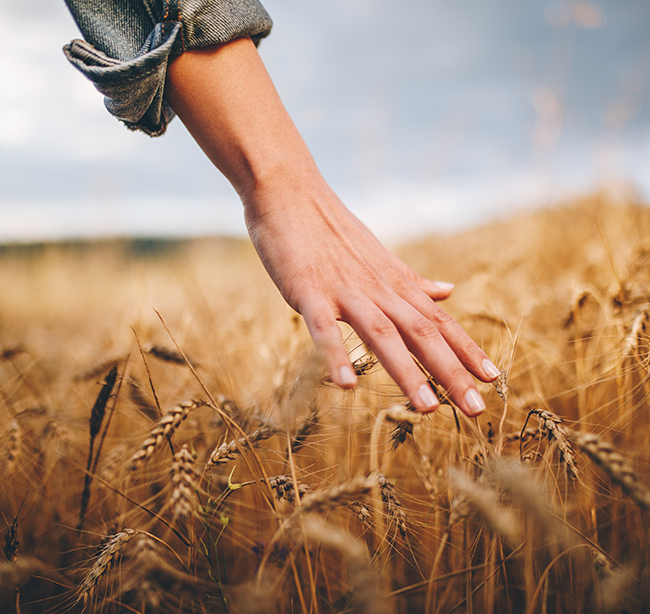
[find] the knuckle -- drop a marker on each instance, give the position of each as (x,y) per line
(442,319)
(381,327)
(321,325)
(425,330)
(466,348)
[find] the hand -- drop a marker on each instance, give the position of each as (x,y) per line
(328,267)
(325,262)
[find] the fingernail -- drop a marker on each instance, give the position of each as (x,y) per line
(490,369)
(474,401)
(347,376)
(444,285)
(426,396)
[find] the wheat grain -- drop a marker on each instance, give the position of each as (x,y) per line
(362,512)
(14,447)
(459,509)
(163,429)
(365,594)
(309,426)
(618,469)
(96,418)
(361,366)
(639,324)
(106,558)
(184,488)
(501,385)
(550,425)
(283,488)
(227,452)
(394,508)
(165,354)
(404,417)
(146,573)
(327,499)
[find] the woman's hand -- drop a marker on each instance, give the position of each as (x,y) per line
(329,267)
(325,262)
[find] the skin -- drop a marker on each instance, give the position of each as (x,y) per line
(327,265)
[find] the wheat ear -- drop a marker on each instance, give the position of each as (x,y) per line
(163,429)
(227,452)
(550,425)
(105,560)
(330,498)
(606,456)
(184,488)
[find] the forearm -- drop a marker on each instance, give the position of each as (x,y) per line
(327,265)
(228,102)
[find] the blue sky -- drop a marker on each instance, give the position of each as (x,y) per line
(433,116)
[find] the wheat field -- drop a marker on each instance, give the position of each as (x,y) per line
(171,443)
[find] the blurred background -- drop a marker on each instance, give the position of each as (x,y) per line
(424,116)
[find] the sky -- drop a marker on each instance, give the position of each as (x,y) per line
(423,115)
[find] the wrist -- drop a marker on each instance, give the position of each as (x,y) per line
(286,182)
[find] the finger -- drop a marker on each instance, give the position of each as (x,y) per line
(326,334)
(471,356)
(427,344)
(381,336)
(437,290)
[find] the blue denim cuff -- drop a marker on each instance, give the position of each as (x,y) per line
(133,89)
(129,42)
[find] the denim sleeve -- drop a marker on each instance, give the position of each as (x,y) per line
(128,44)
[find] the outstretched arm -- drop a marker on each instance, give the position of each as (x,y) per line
(325,262)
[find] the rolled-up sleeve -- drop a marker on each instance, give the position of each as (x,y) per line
(128,44)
